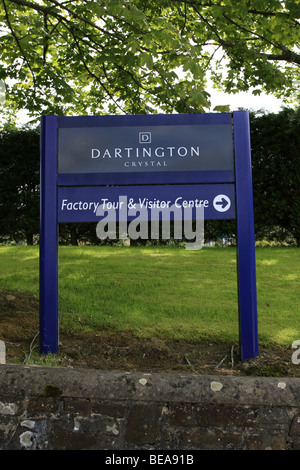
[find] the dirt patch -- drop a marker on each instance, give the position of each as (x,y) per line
(108,350)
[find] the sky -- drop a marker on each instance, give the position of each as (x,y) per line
(245,100)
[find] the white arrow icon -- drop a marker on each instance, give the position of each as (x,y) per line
(221,203)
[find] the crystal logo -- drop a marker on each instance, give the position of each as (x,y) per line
(144,137)
(145,154)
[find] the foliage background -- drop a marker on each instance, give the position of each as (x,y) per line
(144,56)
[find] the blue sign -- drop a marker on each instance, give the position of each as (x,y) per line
(80,204)
(167,162)
(128,149)
(145,149)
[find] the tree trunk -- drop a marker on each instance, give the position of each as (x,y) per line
(29,238)
(73,234)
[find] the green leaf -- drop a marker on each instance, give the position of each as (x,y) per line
(224,108)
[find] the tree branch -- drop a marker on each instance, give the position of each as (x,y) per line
(94,76)
(46,45)
(18,43)
(210,3)
(51,12)
(287,55)
(34,6)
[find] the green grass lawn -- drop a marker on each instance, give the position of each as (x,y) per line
(167,292)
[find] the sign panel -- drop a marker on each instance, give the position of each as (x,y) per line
(145,162)
(80,204)
(145,148)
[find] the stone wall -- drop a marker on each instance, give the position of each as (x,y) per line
(64,408)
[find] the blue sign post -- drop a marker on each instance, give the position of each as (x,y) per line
(48,237)
(245,237)
(203,159)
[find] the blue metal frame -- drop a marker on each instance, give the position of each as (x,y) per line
(48,237)
(144,120)
(245,238)
(50,181)
(172,177)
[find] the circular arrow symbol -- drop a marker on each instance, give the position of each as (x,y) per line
(221,203)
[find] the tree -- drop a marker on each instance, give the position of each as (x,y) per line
(275,142)
(144,56)
(19,184)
